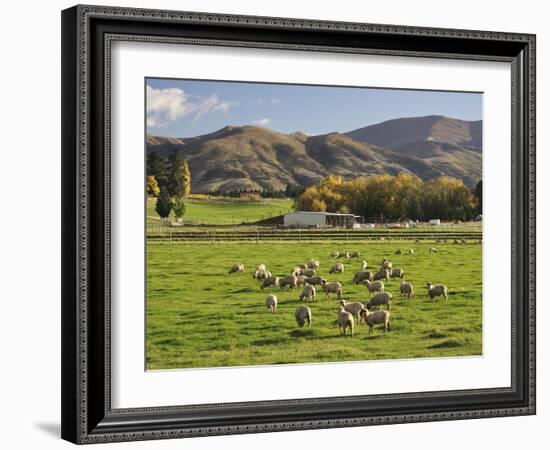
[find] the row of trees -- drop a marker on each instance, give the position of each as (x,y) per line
(290,191)
(385,197)
(168,180)
(170,174)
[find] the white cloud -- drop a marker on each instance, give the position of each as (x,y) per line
(262,122)
(168,105)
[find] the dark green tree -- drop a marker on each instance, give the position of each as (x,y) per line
(164,204)
(156,167)
(478,192)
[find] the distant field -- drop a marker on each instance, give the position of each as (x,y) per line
(225,211)
(199,316)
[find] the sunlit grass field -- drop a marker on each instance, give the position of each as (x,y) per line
(226,211)
(200,316)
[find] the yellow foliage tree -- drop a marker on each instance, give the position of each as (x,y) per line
(153,189)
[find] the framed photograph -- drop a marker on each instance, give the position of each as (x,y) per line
(281,224)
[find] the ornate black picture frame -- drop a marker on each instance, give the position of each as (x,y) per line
(87,34)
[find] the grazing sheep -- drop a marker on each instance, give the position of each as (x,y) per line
(271,303)
(406,289)
(301,280)
(353,308)
(261,267)
(436,290)
(411,251)
(237,268)
(383,298)
(313,264)
(343,255)
(385,264)
(333,287)
(270,282)
(398,251)
(376,318)
(345,321)
(290,280)
(303,315)
(308,293)
(364,265)
(359,277)
(261,274)
(316,280)
(433,250)
(374,286)
(337,268)
(309,273)
(333,255)
(355,255)
(382,274)
(397,273)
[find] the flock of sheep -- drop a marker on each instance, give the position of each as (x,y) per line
(306,277)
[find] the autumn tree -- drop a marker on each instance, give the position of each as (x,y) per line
(184,182)
(153,189)
(386,197)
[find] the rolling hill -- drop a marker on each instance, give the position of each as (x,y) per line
(250,157)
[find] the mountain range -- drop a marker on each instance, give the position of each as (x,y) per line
(251,157)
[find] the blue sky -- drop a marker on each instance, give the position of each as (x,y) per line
(185,108)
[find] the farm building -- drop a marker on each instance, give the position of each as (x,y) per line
(307,219)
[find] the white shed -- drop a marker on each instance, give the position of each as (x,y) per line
(308,219)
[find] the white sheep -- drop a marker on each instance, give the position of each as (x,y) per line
(374,286)
(345,321)
(337,268)
(411,251)
(290,280)
(355,255)
(360,277)
(353,308)
(237,268)
(261,274)
(436,290)
(386,264)
(303,315)
(333,287)
(364,265)
(271,303)
(333,255)
(397,273)
(270,282)
(316,280)
(261,267)
(406,289)
(376,318)
(308,293)
(382,274)
(383,298)
(313,264)
(433,250)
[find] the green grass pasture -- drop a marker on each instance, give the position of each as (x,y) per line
(200,316)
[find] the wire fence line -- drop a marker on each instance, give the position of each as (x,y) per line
(455,235)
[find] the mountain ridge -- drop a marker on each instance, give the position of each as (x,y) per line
(250,157)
